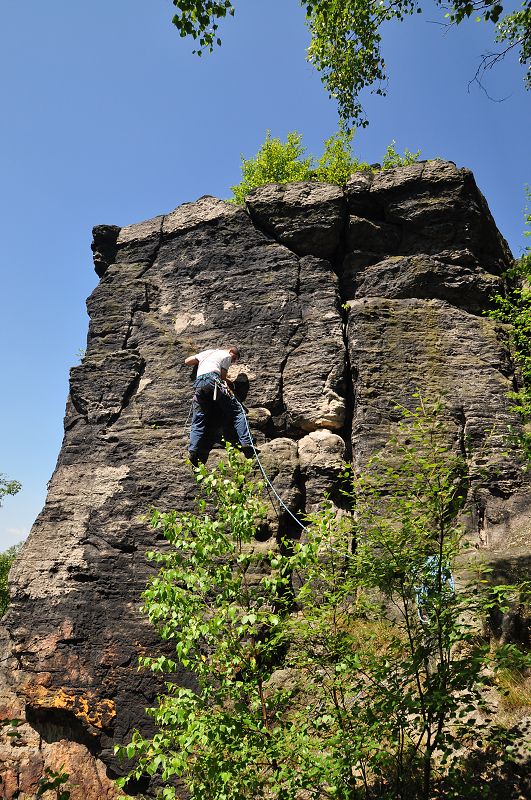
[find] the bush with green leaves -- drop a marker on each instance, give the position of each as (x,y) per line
(54,781)
(275,162)
(338,162)
(395,667)
(393,159)
(219,598)
(513,306)
(6,561)
(343,665)
(8,487)
(286,162)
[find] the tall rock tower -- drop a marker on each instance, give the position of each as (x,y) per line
(344,302)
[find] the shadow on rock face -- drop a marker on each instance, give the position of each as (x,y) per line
(512,626)
(53,724)
(241,387)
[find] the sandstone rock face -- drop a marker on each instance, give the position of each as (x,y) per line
(279,209)
(344,303)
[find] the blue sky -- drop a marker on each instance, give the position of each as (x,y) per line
(109,118)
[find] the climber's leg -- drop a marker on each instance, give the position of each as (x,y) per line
(232,409)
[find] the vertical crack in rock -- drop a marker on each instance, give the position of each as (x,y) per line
(308,218)
(350,392)
(350,376)
(314,371)
(145,304)
(280,410)
(461,432)
(298,281)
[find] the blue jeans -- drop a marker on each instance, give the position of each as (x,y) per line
(209,415)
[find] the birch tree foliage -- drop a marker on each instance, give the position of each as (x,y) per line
(345,38)
(8,487)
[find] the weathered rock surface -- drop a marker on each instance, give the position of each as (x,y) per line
(427,277)
(343,303)
(306,217)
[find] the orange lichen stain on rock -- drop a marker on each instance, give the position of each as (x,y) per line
(95,713)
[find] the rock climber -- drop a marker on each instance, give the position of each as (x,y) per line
(215,403)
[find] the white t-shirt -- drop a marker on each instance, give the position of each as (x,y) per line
(213,361)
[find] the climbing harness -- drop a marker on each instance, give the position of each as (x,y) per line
(224,388)
(219,386)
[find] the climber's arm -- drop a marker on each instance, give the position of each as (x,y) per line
(191,361)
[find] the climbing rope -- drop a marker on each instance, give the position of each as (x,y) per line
(186,426)
(262,470)
(421,594)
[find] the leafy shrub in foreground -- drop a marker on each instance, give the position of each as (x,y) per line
(381,701)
